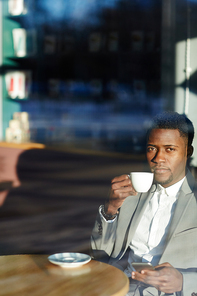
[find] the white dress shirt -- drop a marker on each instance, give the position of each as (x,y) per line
(149,240)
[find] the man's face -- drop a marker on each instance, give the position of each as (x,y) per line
(167,156)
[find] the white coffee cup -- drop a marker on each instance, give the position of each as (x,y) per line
(141,181)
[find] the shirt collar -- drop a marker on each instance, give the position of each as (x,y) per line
(173,189)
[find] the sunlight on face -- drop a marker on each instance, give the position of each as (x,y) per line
(167,156)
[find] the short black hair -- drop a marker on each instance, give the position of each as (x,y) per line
(174,120)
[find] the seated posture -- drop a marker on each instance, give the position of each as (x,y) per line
(159,226)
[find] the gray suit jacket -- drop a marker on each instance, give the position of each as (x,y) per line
(112,239)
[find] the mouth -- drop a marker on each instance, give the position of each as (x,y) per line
(160,171)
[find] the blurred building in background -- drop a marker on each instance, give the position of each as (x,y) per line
(95,72)
(179,61)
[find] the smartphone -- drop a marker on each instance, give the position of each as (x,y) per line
(139,266)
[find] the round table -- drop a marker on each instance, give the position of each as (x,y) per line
(35,275)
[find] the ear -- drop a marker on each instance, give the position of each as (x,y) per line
(190,150)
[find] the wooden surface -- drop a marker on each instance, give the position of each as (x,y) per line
(24,146)
(35,275)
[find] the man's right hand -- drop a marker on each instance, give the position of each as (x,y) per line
(121,188)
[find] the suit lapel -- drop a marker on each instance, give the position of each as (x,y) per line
(181,207)
(133,211)
(124,222)
(184,198)
(139,213)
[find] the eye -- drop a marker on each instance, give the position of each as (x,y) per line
(170,149)
(151,149)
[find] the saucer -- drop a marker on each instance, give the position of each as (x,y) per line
(69,259)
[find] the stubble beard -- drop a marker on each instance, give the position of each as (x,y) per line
(164,182)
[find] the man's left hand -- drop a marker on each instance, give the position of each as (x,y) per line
(165,278)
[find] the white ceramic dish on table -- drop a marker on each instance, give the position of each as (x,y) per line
(69,259)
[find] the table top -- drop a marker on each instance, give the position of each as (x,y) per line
(24,146)
(35,275)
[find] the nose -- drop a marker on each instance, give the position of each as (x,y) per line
(159,157)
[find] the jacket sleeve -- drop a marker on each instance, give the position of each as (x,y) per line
(189,282)
(103,238)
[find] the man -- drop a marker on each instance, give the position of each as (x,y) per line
(159,226)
